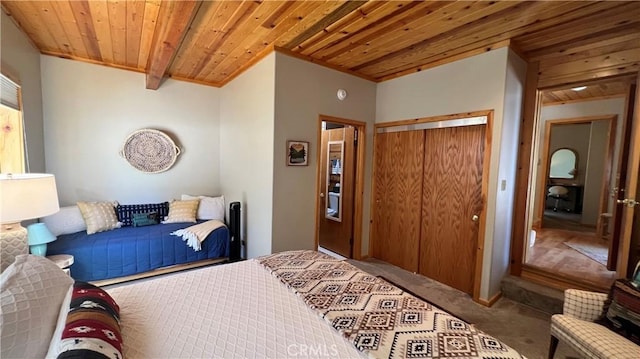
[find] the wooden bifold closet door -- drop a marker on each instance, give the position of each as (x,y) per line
(398,192)
(428,201)
(451,197)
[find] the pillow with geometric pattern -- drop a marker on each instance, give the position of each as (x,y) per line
(91,328)
(126,212)
(182,211)
(99,216)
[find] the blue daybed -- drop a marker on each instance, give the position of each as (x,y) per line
(133,250)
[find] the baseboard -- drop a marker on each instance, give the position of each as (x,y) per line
(491,301)
(159,271)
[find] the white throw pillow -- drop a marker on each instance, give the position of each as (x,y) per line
(210,207)
(68,220)
(33,289)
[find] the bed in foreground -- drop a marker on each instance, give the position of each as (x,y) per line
(291,304)
(249,309)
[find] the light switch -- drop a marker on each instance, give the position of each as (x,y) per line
(503,185)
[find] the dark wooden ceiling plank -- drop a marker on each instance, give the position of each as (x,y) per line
(586,42)
(135,19)
(82,14)
(253,39)
(297,19)
(387,24)
(489,30)
(609,15)
(205,27)
(303,20)
(239,16)
(442,20)
(592,52)
(242,44)
(272,21)
(337,14)
(173,22)
(101,24)
(370,12)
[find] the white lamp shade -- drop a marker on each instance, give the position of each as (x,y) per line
(27,196)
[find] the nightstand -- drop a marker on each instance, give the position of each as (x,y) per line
(63,261)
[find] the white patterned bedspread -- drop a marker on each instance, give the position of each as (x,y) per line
(227,311)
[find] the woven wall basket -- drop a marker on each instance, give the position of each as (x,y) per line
(150,151)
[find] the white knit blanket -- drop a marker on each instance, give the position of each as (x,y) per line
(197,233)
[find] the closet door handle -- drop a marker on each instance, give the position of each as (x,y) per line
(475,218)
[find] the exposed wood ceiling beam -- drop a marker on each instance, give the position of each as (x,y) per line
(173,22)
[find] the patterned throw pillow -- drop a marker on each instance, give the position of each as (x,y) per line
(92,326)
(99,216)
(182,211)
(126,211)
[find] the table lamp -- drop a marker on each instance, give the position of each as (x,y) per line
(23,196)
(38,236)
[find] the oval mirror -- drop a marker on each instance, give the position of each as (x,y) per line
(564,164)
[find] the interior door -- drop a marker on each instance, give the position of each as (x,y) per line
(628,203)
(618,249)
(397,197)
(337,180)
(451,204)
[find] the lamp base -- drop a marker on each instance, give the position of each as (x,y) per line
(13,242)
(38,249)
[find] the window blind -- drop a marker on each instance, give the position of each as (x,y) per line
(9,93)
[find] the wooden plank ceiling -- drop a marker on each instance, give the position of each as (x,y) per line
(211,42)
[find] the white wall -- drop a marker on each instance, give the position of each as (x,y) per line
(20,61)
(89,110)
(516,72)
(472,84)
(246,151)
(303,92)
(598,146)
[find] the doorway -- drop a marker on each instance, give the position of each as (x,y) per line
(340,178)
(570,237)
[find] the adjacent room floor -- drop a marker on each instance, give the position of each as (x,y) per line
(571,254)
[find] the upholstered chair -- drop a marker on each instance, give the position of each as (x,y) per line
(576,327)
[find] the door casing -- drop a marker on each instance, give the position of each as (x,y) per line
(358,194)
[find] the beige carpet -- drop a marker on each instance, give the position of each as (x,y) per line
(598,251)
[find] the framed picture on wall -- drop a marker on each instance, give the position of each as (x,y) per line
(297,153)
